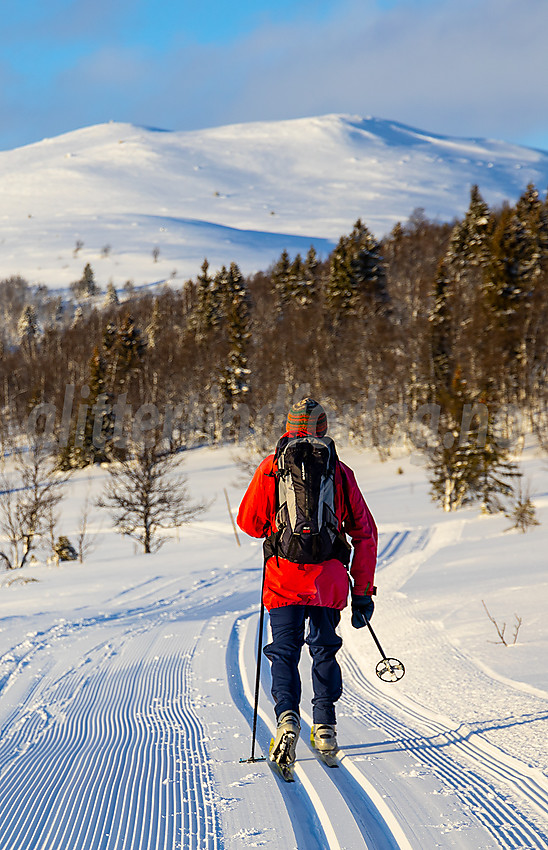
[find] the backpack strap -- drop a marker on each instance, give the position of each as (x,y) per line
(346,499)
(270,545)
(342,548)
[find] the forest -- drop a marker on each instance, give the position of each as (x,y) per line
(433,338)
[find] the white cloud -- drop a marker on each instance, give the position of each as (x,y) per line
(468,68)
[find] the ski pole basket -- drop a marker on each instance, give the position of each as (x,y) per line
(389,669)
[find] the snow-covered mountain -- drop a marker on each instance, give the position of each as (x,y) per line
(242,192)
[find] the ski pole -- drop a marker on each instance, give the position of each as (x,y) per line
(375,638)
(389,669)
(257,684)
(257,678)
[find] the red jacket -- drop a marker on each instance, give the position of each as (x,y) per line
(324,584)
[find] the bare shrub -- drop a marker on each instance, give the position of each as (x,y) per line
(28,498)
(147,493)
(501,630)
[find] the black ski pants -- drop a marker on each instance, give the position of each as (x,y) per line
(288,627)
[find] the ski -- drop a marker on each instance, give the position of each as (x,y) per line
(282,768)
(285,771)
(328,758)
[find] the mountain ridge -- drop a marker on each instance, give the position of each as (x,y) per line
(256,188)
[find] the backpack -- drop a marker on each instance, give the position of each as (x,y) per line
(308,529)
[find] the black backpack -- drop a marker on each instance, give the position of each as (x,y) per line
(305,503)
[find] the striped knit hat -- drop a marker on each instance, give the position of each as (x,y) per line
(307,417)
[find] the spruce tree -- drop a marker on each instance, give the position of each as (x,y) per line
(469,464)
(220,295)
(123,350)
(310,285)
(452,462)
(235,379)
(129,350)
(296,280)
(99,425)
(111,296)
(495,473)
(469,244)
(86,287)
(512,265)
(205,317)
(341,289)
(27,328)
(295,283)
(93,443)
(509,290)
(356,281)
(281,280)
(533,214)
(515,292)
(456,461)
(532,350)
(441,332)
(458,293)
(473,234)
(88,281)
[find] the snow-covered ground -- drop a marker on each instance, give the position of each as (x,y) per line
(242,192)
(126,686)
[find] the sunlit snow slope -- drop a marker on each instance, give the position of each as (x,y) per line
(241,192)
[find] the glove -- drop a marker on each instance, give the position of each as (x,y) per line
(362,610)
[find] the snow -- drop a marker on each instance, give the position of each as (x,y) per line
(243,192)
(126,685)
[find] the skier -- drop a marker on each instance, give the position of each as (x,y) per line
(306,575)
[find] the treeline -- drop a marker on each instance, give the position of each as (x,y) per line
(452,315)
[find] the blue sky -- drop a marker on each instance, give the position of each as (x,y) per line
(461,67)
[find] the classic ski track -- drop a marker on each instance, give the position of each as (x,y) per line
(437,747)
(17,657)
(336,801)
(438,743)
(70,747)
(441,750)
(388,548)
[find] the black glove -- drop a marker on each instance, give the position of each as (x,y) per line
(362,610)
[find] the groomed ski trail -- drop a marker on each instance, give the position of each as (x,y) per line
(467,766)
(342,821)
(108,737)
(122,729)
(389,745)
(112,754)
(372,800)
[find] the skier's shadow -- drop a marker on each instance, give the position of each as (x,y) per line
(372,748)
(446,738)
